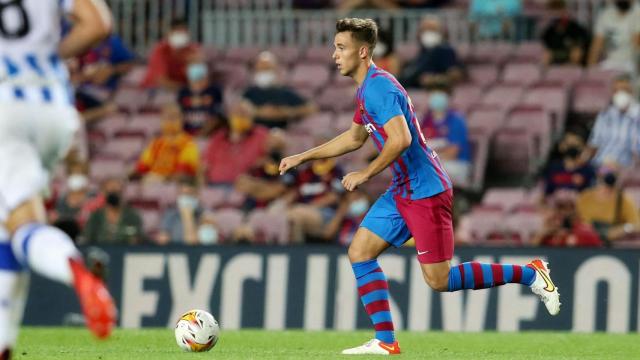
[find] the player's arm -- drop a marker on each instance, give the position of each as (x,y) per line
(346,142)
(398,140)
(91,23)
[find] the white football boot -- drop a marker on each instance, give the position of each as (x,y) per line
(374,347)
(544,287)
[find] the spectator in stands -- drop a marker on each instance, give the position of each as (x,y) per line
(494,19)
(384,54)
(115,222)
(446,131)
(172,154)
(566,41)
(422,4)
(169,59)
(201,101)
(569,171)
(617,36)
(180,222)
(275,105)
(312,4)
(615,138)
(68,208)
(316,194)
(263,183)
(563,227)
(105,64)
(605,206)
(436,62)
(348,215)
(241,140)
(347,5)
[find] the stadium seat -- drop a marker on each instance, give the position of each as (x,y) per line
(287,55)
(132,190)
(165,193)
(130,99)
(336,98)
(134,77)
(495,53)
(321,55)
(480,153)
(309,75)
(483,75)
(521,74)
(406,52)
(146,123)
(537,122)
(161,98)
(212,197)
(241,55)
(601,75)
(503,96)
(299,143)
(269,227)
(111,124)
(125,149)
(343,121)
(101,168)
(465,96)
(314,124)
(568,75)
(506,199)
(522,226)
(512,151)
(485,119)
(553,99)
(484,223)
(227,221)
(590,97)
(420,100)
(150,220)
(531,51)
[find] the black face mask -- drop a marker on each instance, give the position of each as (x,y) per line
(623,5)
(573,152)
(113,199)
(275,156)
(610,179)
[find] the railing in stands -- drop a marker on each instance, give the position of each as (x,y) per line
(233,23)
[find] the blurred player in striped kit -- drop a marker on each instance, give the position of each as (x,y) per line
(37,123)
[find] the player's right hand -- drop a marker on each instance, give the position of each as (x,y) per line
(289,163)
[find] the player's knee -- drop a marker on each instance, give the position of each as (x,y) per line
(28,212)
(437,282)
(358,254)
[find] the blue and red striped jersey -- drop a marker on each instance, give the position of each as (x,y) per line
(417,173)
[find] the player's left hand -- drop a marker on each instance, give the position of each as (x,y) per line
(352,180)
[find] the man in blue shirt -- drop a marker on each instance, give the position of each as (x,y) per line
(419,201)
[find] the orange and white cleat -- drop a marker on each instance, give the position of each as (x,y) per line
(374,347)
(544,287)
(96,302)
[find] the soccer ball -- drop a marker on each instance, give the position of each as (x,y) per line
(197,331)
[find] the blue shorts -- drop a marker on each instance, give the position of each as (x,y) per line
(384,220)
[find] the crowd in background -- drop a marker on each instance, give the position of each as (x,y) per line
(209,143)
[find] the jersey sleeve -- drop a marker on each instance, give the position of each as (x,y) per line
(383,102)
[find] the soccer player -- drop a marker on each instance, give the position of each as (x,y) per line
(419,201)
(37,123)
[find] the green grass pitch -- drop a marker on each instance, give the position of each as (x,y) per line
(158,344)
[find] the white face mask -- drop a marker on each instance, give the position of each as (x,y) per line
(77,182)
(264,78)
(622,99)
(430,38)
(380,50)
(208,234)
(359,207)
(179,39)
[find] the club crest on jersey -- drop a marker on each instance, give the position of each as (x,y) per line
(370,128)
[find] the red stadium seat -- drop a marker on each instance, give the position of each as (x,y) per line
(147,123)
(485,119)
(503,96)
(495,53)
(483,75)
(150,220)
(553,99)
(480,152)
(112,123)
(101,169)
(320,55)
(484,223)
(314,124)
(465,96)
(420,100)
(228,220)
(506,199)
(213,197)
(130,99)
(407,51)
(164,193)
(287,55)
(269,227)
(565,74)
(309,75)
(521,73)
(337,98)
(125,149)
(523,225)
(590,97)
(241,55)
(529,52)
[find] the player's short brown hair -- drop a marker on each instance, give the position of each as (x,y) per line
(363,30)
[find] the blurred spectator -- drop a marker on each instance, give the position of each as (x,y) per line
(493,19)
(348,216)
(180,222)
(169,58)
(605,206)
(446,131)
(422,4)
(115,222)
(106,63)
(315,199)
(436,62)
(263,183)
(172,154)
(201,101)
(569,172)
(275,105)
(68,208)
(208,233)
(565,40)
(563,227)
(312,4)
(241,140)
(615,137)
(347,5)
(617,36)
(384,54)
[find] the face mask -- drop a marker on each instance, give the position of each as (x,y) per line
(358,207)
(264,78)
(179,39)
(380,50)
(438,101)
(208,234)
(113,199)
(77,182)
(573,152)
(621,99)
(187,202)
(196,72)
(610,179)
(430,39)
(623,5)
(240,124)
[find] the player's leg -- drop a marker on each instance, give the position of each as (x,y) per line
(13,296)
(27,154)
(381,228)
(430,221)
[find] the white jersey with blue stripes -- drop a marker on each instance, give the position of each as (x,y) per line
(30,69)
